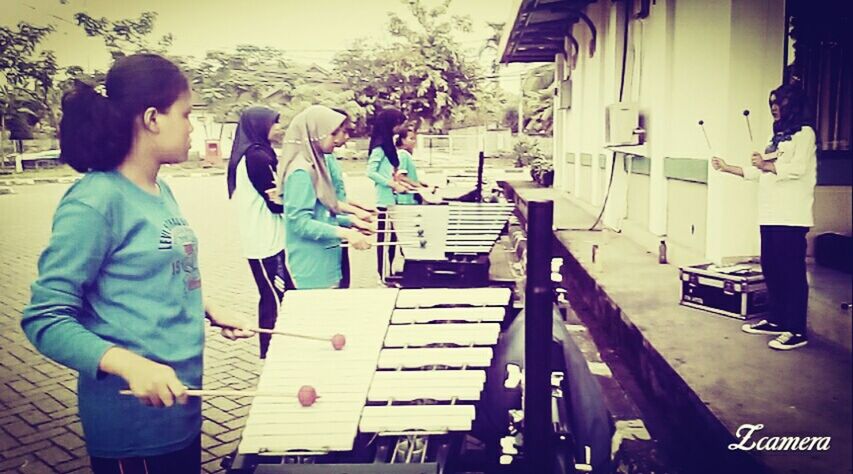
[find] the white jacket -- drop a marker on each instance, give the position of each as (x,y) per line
(787,196)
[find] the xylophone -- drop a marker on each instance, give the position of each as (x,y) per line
(431,380)
(412,370)
(458,238)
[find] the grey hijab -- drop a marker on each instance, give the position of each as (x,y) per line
(301,151)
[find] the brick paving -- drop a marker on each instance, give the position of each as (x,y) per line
(39,428)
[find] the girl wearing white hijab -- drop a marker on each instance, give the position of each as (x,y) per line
(314,224)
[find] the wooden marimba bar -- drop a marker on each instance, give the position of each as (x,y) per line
(341,378)
(404,347)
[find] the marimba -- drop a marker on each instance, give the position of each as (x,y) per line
(413,367)
(422,370)
(458,239)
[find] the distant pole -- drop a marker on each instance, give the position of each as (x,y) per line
(481,161)
(2,145)
(521,106)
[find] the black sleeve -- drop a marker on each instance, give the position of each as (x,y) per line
(261,169)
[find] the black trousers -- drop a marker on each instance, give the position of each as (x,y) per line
(186,460)
(272,279)
(345,277)
(783,262)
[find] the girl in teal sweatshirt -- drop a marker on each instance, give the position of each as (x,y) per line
(314,222)
(118,296)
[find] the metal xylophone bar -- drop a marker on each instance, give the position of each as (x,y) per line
(418,324)
(467,229)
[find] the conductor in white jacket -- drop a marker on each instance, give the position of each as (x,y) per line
(786,176)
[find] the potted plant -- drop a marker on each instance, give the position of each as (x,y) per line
(525,151)
(542,171)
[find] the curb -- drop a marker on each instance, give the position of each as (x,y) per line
(31,181)
(200,174)
(7,183)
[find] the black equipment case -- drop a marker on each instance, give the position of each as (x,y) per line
(737,291)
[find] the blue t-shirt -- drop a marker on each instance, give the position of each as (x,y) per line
(121,269)
(311,249)
(407,163)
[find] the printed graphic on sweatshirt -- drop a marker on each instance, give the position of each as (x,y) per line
(176,234)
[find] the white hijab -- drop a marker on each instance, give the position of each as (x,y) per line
(301,151)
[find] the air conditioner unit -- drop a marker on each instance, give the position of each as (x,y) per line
(620,121)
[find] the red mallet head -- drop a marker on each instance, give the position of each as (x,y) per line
(307,395)
(339,341)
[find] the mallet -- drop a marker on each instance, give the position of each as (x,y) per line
(748,126)
(338,340)
(422,243)
(307,395)
(704,132)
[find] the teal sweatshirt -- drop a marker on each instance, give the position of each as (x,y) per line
(337,176)
(121,269)
(309,230)
(379,169)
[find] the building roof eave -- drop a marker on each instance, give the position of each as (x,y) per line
(536,29)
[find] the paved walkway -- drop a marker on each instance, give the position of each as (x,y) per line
(39,428)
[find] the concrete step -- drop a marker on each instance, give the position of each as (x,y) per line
(830,296)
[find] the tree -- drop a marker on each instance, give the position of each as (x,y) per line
(487,109)
(228,81)
(125,35)
(423,71)
(28,77)
(538,90)
(492,44)
(510,117)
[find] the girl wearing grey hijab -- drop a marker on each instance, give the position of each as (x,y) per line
(315,225)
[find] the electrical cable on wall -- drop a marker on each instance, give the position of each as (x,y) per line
(621,95)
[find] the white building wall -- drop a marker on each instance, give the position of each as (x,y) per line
(689,60)
(559,119)
(757,43)
(612,21)
(653,47)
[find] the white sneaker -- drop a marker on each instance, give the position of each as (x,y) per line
(762,327)
(787,341)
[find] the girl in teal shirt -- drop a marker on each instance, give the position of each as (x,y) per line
(118,297)
(383,161)
(382,166)
(408,172)
(337,177)
(315,224)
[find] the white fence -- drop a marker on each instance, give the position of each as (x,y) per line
(461,147)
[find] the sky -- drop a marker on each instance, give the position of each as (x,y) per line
(309,31)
